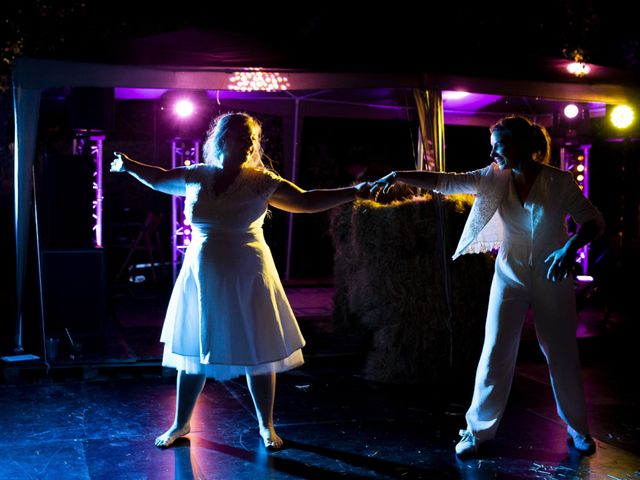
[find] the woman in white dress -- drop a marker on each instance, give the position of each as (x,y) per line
(520,207)
(228,314)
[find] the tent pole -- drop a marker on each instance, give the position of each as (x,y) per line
(26,103)
(174,220)
(431,115)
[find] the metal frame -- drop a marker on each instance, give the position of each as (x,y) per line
(184,152)
(572,158)
(91,141)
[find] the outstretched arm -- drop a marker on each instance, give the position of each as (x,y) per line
(165,181)
(291,198)
(417,178)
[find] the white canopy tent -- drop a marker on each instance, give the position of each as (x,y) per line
(32,76)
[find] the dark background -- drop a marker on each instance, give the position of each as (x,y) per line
(498,40)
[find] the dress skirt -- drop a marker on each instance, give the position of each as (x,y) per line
(228,313)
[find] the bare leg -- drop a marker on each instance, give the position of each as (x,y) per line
(263,392)
(188,388)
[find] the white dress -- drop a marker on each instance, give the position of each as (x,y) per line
(228,314)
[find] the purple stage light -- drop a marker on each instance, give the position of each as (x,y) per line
(457,101)
(184,108)
(139,93)
(454,95)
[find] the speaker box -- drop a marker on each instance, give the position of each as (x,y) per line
(92,108)
(73,288)
(66,199)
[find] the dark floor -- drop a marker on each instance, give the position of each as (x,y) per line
(101,422)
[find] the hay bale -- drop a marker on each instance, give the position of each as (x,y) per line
(390,285)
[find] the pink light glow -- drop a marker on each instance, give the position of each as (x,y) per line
(470,102)
(454,95)
(184,108)
(139,93)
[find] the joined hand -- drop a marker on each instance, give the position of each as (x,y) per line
(363,190)
(384,183)
(117,165)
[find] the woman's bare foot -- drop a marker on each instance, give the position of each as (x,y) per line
(171,435)
(270,438)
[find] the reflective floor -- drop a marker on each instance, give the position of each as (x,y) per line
(335,423)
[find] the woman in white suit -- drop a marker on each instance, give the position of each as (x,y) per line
(520,207)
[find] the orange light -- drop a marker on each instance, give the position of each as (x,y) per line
(579,69)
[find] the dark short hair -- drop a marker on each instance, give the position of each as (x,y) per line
(528,133)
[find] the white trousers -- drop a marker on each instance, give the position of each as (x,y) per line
(516,286)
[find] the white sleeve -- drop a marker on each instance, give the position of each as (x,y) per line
(449,183)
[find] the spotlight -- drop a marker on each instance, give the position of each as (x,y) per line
(622,116)
(571,111)
(184,108)
(579,69)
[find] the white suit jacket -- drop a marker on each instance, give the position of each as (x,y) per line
(558,196)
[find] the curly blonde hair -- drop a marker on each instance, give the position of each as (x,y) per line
(219,129)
